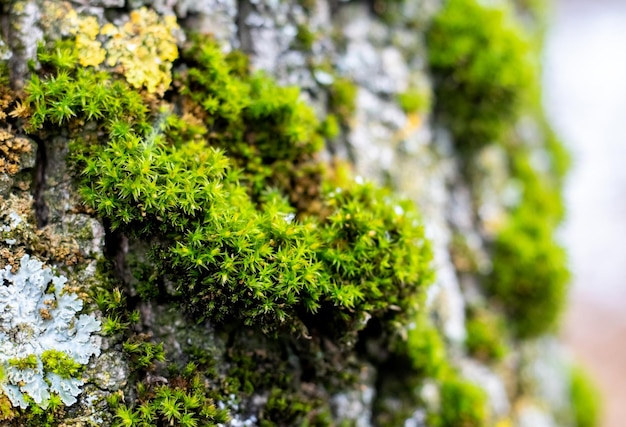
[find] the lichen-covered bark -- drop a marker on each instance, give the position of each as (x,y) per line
(219,226)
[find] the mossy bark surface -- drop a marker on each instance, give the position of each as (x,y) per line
(280,213)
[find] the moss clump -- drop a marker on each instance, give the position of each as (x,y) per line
(206,180)
(486,334)
(483,68)
(184,402)
(421,357)
(530,274)
(415,100)
(232,256)
(61,364)
(426,349)
(585,398)
(264,129)
(342,100)
(463,404)
(28,362)
(305,38)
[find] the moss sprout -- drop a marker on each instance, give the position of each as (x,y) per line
(183,402)
(486,335)
(586,399)
(463,404)
(415,100)
(342,101)
(530,273)
(426,349)
(304,38)
(483,68)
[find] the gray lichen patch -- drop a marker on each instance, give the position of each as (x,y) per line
(37,316)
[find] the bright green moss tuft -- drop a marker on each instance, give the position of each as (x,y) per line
(27,362)
(184,402)
(426,349)
(342,101)
(463,404)
(415,100)
(265,129)
(586,399)
(61,364)
(485,335)
(305,38)
(530,274)
(483,68)
(233,246)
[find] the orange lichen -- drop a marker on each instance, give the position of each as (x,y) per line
(11,150)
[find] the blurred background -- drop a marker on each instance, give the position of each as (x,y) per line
(585,98)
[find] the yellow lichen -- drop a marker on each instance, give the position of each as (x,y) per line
(144,48)
(90,51)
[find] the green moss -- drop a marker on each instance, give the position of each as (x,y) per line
(426,349)
(286,409)
(265,129)
(342,100)
(230,244)
(483,69)
(423,356)
(330,128)
(305,38)
(463,404)
(28,362)
(61,364)
(415,100)
(530,274)
(144,354)
(207,179)
(486,334)
(183,402)
(586,399)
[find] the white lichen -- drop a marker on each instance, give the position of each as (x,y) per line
(38,315)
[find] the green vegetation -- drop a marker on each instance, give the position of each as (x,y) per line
(530,274)
(61,364)
(415,100)
(426,349)
(221,182)
(483,68)
(342,101)
(423,356)
(485,75)
(304,38)
(183,402)
(463,404)
(232,258)
(486,334)
(28,362)
(265,130)
(34,416)
(585,399)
